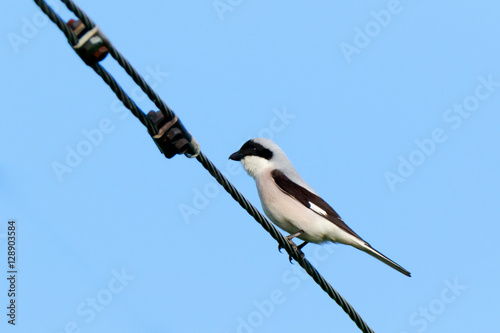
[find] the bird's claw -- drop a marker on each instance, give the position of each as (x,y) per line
(297,249)
(299,253)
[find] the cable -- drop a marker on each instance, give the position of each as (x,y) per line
(58,21)
(207,164)
(122,96)
(160,104)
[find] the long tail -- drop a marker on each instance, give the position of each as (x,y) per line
(374,253)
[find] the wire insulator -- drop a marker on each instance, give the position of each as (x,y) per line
(92,45)
(172,137)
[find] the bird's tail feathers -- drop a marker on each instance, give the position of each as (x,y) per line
(374,253)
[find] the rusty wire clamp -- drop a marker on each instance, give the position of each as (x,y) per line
(172,137)
(92,44)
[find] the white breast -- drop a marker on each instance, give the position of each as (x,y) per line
(289,214)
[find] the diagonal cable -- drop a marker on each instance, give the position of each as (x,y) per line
(207,164)
(160,104)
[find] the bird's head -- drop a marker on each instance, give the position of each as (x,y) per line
(257,155)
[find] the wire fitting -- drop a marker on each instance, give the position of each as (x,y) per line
(172,137)
(92,45)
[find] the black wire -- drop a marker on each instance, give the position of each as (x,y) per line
(129,104)
(207,164)
(89,24)
(160,104)
(58,21)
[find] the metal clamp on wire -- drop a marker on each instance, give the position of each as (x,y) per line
(172,137)
(92,45)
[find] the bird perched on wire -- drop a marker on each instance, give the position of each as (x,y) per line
(293,205)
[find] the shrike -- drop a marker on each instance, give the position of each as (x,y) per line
(292,204)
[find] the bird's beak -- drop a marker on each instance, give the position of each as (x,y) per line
(238,156)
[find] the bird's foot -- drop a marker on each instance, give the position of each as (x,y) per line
(297,249)
(289,237)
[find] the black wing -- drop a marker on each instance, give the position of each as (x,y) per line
(307,198)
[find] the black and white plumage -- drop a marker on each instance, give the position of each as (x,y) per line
(292,204)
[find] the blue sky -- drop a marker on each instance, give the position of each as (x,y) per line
(389,109)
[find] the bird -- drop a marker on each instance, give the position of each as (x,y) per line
(293,205)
